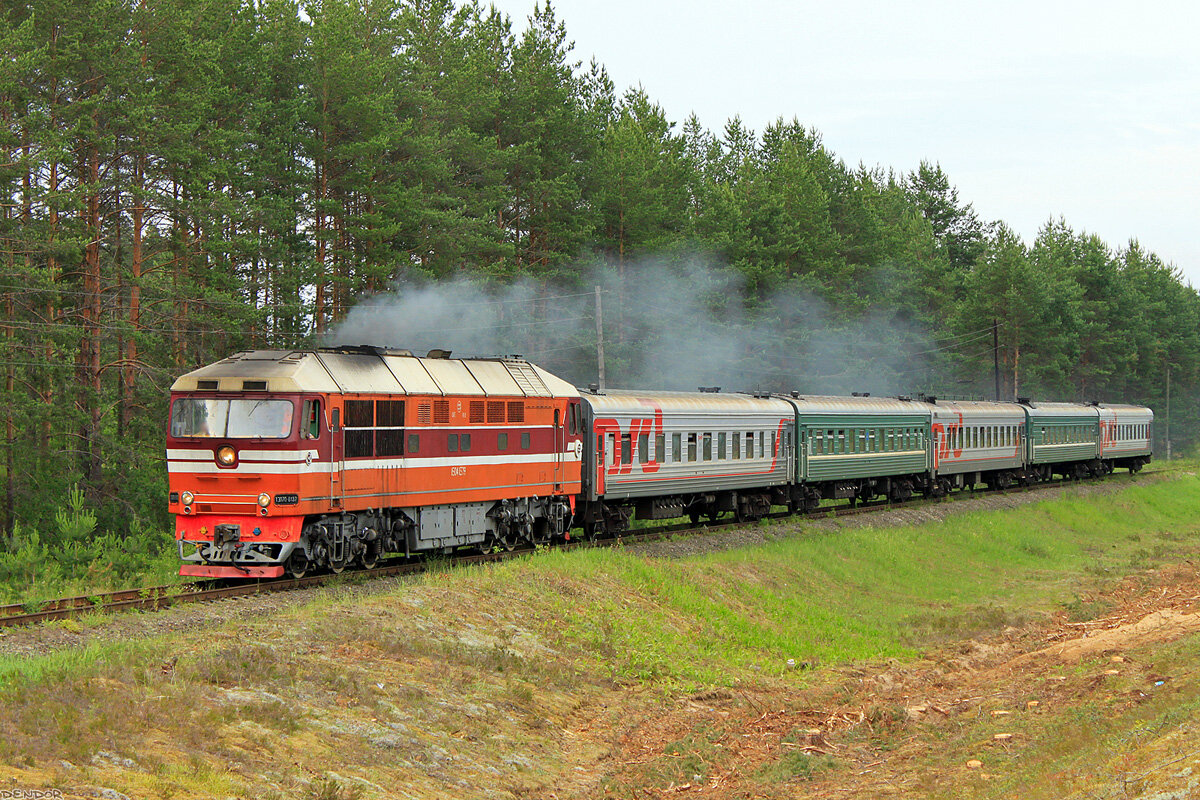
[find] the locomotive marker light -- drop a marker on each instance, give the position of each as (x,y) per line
(264,500)
(226,456)
(188,498)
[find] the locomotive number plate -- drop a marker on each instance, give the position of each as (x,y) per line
(458,472)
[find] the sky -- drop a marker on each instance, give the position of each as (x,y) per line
(1089,111)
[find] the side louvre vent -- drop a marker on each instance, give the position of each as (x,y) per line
(476,415)
(516,411)
(441,412)
(424,414)
(495,411)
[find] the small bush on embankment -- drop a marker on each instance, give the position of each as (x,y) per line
(71,557)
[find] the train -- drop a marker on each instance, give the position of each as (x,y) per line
(284,462)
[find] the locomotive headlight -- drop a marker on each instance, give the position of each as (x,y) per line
(187,498)
(264,499)
(226,456)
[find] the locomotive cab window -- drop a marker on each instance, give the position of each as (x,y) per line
(232,419)
(311,428)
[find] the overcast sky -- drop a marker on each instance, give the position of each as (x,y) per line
(1085,110)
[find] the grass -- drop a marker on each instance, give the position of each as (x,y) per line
(473,675)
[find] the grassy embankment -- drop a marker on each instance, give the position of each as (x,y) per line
(535,674)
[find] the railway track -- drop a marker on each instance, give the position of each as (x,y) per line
(160,597)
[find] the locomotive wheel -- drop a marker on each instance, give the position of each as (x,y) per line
(338,567)
(370,556)
(507,541)
(488,545)
(297,564)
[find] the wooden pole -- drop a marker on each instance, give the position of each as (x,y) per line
(599,338)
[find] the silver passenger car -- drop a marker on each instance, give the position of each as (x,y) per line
(683,452)
(971,438)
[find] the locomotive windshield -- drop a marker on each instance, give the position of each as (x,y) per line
(231,419)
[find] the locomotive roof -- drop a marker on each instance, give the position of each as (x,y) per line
(373,371)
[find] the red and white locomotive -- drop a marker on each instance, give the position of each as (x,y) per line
(289,461)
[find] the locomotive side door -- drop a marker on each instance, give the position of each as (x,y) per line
(337,457)
(560,445)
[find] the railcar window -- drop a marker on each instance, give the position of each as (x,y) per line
(452,443)
(414,443)
(644,448)
(525,441)
(762,447)
(721,445)
(660,448)
(736,441)
(626,448)
(691,447)
(774,444)
(502,441)
(676,447)
(708,447)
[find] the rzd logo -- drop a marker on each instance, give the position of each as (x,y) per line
(610,430)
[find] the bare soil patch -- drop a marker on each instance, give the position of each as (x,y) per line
(950,725)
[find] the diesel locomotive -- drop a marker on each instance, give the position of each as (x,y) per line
(290,461)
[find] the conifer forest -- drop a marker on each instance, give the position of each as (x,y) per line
(184,179)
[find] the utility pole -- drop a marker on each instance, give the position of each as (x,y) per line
(996,355)
(1168,411)
(600,339)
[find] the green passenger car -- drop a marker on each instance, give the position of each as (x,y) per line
(858,447)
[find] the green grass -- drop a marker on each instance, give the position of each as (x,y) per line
(842,596)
